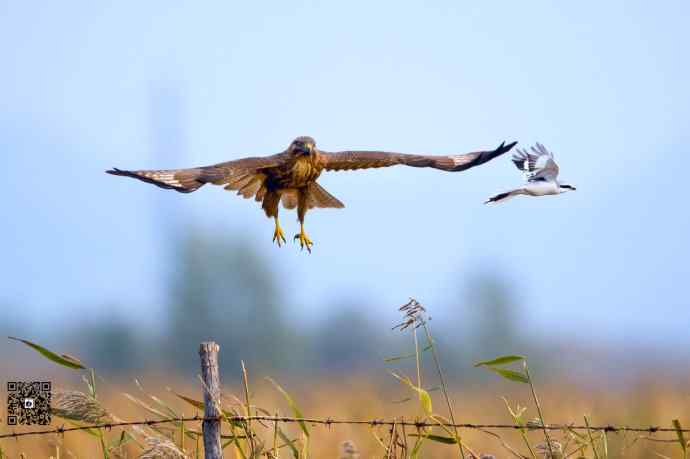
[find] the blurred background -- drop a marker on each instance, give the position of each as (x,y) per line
(130,278)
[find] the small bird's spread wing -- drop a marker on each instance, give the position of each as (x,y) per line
(537,164)
(351,160)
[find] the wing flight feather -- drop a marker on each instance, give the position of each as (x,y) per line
(352,160)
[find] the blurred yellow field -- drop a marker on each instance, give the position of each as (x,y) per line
(361,398)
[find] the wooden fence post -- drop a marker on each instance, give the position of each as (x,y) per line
(208,352)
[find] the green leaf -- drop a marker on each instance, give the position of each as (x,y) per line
(681,437)
(104,448)
(503,360)
(64,359)
(191,433)
(191,401)
(399,357)
(517,414)
(289,443)
(417,446)
(122,440)
(438,438)
(293,406)
(510,374)
(424,397)
(200,405)
(406,356)
(91,432)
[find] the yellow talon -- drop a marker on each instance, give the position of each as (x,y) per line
(304,240)
(278,236)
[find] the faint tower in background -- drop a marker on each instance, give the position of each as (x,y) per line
(169,150)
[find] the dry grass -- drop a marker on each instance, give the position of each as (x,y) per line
(359,397)
(511,396)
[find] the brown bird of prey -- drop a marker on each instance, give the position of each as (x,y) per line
(290,176)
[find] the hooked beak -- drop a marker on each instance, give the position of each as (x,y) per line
(305,149)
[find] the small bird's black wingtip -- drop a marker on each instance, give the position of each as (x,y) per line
(114,171)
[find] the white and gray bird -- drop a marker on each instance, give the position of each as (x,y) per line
(541,172)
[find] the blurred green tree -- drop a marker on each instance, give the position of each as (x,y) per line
(493,317)
(223,290)
(482,324)
(347,340)
(110,344)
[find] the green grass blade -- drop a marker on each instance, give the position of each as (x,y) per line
(425,401)
(200,405)
(146,406)
(289,443)
(193,433)
(293,406)
(64,359)
(503,360)
(681,437)
(510,374)
(91,432)
(122,440)
(424,397)
(399,357)
(104,448)
(438,438)
(414,454)
(191,401)
(172,413)
(591,439)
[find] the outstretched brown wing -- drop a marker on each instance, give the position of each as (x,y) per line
(351,160)
(246,175)
(243,175)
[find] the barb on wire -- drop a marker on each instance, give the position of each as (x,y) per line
(330,421)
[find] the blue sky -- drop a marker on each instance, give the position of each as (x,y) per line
(605,86)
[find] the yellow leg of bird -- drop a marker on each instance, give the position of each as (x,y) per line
(304,240)
(278,236)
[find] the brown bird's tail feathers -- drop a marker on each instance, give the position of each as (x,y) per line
(317,196)
(181,180)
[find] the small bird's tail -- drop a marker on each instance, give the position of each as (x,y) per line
(181,180)
(502,197)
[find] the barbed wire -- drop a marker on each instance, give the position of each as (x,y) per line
(330,421)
